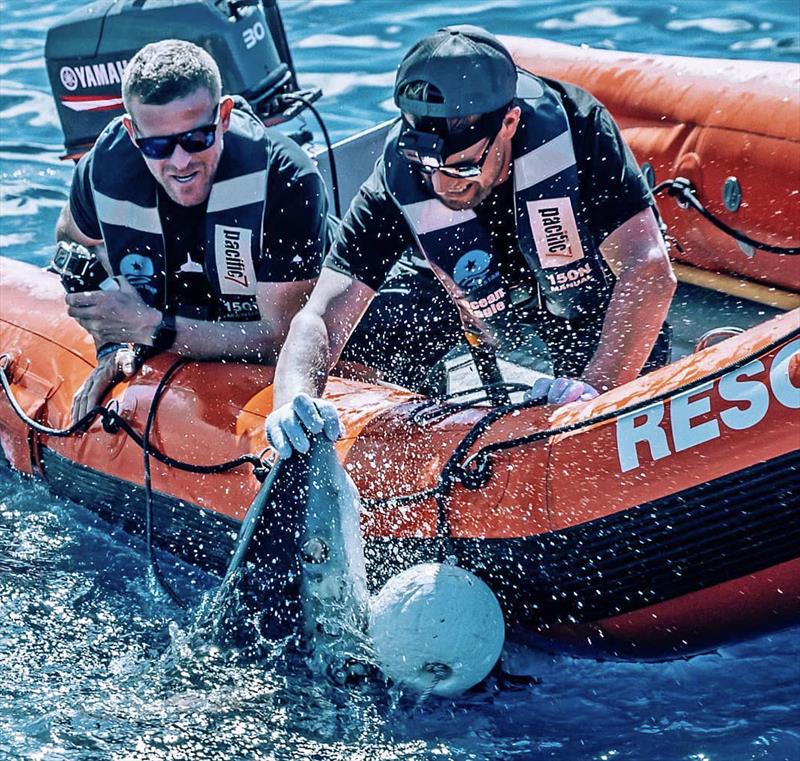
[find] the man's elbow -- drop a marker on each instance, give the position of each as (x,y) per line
(63,224)
(308,322)
(654,272)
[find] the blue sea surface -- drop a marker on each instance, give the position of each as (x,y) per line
(94,663)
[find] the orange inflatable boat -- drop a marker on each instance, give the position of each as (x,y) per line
(659,518)
(730,128)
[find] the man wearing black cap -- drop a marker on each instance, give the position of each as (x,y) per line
(523,200)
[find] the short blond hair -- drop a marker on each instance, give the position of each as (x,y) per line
(168,70)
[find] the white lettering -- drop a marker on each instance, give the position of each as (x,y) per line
(94,75)
(780,377)
(113,76)
(755,393)
(234,259)
(100,74)
(683,409)
(630,432)
(253,35)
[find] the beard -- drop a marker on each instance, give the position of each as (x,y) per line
(473,192)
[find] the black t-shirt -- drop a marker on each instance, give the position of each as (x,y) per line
(374,233)
(295,224)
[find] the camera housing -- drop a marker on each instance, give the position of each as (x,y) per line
(79,269)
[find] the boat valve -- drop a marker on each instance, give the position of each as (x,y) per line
(679,188)
(110,418)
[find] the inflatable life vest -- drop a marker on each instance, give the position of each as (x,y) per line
(552,230)
(126,199)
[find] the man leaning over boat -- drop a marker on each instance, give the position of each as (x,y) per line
(214,226)
(523,199)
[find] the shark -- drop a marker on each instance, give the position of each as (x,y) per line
(298,568)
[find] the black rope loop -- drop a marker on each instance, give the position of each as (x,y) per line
(683,189)
(113,422)
(466,470)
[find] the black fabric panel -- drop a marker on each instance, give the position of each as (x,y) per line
(725,529)
(199,536)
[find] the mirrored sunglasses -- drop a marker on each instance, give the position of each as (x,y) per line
(468,169)
(192,141)
(424,151)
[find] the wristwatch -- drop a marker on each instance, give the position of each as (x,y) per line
(164,335)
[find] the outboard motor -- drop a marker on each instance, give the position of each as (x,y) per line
(87,51)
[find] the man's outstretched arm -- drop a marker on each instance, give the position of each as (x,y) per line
(636,253)
(316,338)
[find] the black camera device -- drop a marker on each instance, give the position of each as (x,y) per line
(79,268)
(422,149)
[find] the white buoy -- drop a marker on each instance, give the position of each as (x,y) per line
(436,628)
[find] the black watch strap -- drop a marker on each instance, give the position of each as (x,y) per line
(164,335)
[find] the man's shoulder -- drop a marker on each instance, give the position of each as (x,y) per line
(579,104)
(286,157)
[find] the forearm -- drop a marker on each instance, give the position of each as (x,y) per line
(305,359)
(635,314)
(256,341)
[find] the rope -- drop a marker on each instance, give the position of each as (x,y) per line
(113,422)
(294,98)
(683,189)
(474,471)
(158,574)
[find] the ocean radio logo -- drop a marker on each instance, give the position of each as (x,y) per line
(472,270)
(472,274)
(139,271)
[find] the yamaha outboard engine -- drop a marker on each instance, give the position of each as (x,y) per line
(87,51)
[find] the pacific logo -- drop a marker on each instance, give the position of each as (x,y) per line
(232,250)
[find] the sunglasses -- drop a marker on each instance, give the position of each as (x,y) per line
(192,141)
(467,169)
(424,151)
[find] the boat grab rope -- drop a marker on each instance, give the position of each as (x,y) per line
(683,189)
(114,422)
(474,471)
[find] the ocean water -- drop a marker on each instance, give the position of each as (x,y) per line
(93,664)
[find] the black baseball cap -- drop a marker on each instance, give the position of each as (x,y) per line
(472,70)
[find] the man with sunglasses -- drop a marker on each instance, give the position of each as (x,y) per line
(530,213)
(214,226)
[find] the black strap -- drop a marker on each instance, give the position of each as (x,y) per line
(164,337)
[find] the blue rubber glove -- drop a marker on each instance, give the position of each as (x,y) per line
(560,391)
(288,428)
